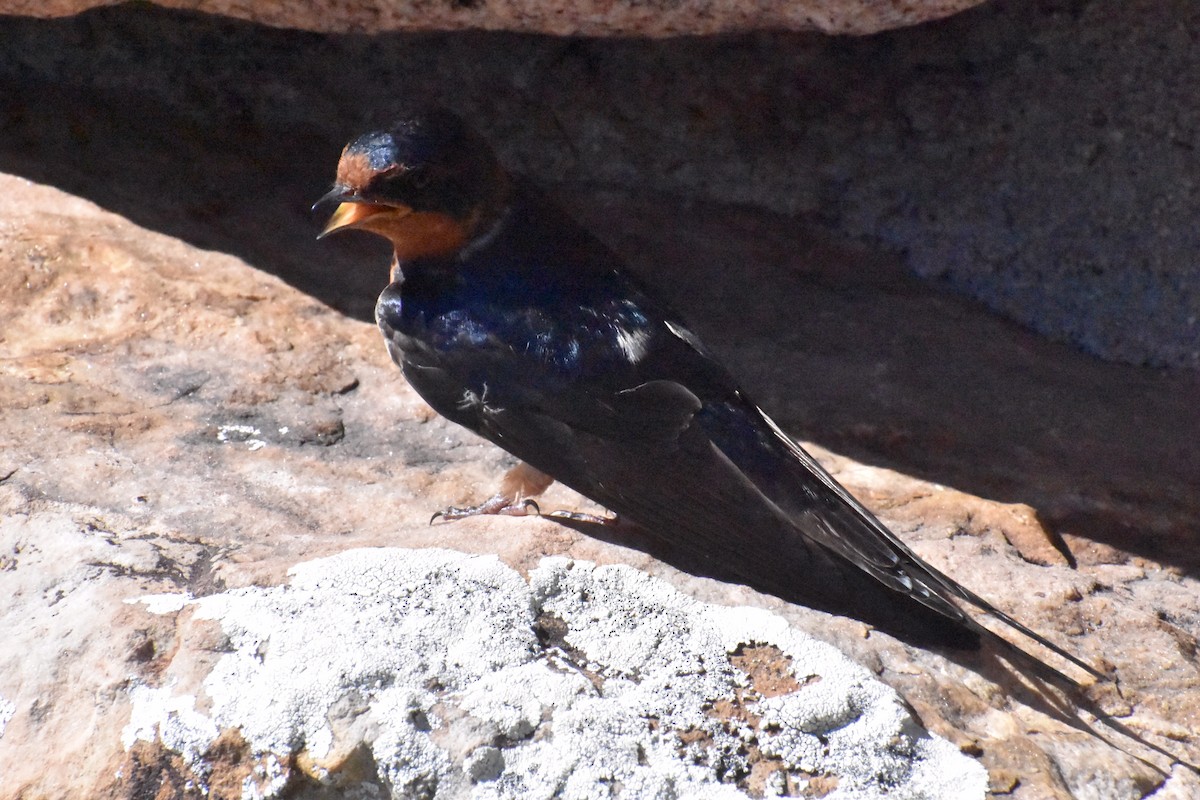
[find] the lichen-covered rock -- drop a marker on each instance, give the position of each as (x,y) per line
(452,677)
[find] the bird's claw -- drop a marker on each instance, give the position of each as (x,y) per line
(579,516)
(498,506)
(507,507)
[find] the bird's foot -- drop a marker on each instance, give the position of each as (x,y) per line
(579,516)
(501,505)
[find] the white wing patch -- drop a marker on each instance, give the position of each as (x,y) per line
(633,343)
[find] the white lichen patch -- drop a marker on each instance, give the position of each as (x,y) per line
(167,603)
(173,719)
(462,680)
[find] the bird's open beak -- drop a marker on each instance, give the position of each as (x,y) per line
(348,215)
(353,210)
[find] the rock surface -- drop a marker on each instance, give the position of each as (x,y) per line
(1036,156)
(596,18)
(174,421)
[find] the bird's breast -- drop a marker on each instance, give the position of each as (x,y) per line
(487,326)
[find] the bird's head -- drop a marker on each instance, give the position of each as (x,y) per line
(427,183)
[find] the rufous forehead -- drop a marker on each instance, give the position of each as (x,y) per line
(354,170)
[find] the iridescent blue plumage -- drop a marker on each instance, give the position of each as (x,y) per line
(531,333)
(510,297)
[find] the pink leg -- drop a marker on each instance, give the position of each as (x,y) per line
(514,499)
(517,487)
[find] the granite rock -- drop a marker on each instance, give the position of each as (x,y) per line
(180,430)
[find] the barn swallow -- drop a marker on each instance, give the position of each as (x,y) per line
(513,321)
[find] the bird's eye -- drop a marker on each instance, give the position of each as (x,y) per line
(420,179)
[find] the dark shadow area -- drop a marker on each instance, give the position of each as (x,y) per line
(883,609)
(222,134)
(846,349)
